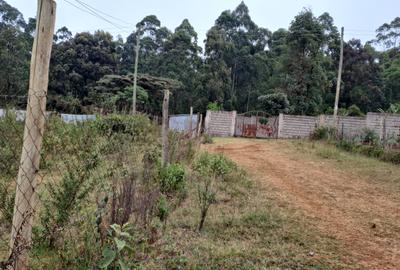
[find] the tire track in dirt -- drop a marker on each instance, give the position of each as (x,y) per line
(360,214)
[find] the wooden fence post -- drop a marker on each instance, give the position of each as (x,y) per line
(191,123)
(164,131)
(199,125)
(26,197)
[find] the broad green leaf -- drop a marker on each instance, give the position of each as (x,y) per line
(123,265)
(120,244)
(108,257)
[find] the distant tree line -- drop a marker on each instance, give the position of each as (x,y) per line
(243,66)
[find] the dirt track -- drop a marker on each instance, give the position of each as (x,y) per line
(363,215)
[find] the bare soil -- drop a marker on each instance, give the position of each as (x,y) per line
(362,213)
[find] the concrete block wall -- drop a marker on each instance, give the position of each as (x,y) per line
(392,126)
(375,122)
(296,126)
(348,126)
(220,123)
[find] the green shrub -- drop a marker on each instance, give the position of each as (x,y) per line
(120,249)
(324,133)
(138,126)
(180,149)
(209,168)
(371,150)
(354,110)
(11,134)
(172,179)
(214,106)
(369,136)
(346,145)
(207,139)
(64,197)
(391,156)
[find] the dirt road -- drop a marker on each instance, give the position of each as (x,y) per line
(362,214)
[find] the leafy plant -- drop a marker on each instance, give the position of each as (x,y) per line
(64,197)
(207,139)
(214,106)
(209,168)
(275,103)
(172,179)
(117,254)
(324,133)
(370,137)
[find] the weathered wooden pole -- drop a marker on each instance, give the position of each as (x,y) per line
(339,80)
(191,123)
(199,125)
(26,197)
(164,131)
(137,47)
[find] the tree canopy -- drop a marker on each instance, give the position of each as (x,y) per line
(242,67)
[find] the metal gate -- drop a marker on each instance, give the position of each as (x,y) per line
(256,125)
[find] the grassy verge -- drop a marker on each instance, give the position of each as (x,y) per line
(370,168)
(246,229)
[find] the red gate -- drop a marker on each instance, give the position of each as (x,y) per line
(256,126)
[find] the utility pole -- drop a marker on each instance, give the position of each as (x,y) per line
(25,196)
(136,71)
(339,79)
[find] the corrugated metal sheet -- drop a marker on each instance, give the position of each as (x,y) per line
(74,118)
(67,118)
(181,122)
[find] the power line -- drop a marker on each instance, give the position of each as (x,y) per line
(105,14)
(95,14)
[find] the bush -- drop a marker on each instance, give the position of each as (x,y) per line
(391,156)
(207,139)
(11,134)
(214,106)
(275,103)
(371,151)
(369,136)
(138,126)
(346,145)
(324,133)
(354,110)
(209,168)
(172,179)
(180,149)
(64,197)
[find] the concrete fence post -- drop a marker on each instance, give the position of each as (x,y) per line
(280,125)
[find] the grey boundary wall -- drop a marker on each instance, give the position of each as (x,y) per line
(298,126)
(220,123)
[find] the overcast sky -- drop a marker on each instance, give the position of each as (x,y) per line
(359,17)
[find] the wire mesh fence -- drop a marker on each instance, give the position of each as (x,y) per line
(63,183)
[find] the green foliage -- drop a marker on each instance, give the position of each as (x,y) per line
(118,252)
(11,133)
(274,104)
(354,110)
(391,156)
(209,168)
(370,137)
(214,106)
(207,139)
(65,197)
(137,127)
(172,179)
(180,149)
(241,62)
(324,133)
